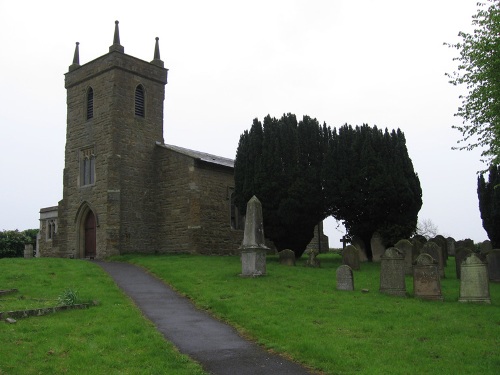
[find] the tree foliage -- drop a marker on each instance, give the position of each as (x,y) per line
(280,162)
(479,71)
(12,242)
(489,204)
(303,172)
(371,184)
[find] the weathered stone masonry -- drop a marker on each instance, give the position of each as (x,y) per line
(125,190)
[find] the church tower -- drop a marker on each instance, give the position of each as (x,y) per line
(114,119)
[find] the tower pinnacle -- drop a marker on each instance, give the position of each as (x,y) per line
(76,58)
(156,59)
(116,41)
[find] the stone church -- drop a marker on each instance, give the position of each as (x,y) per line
(124,189)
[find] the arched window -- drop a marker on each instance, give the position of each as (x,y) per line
(87,167)
(90,103)
(139,101)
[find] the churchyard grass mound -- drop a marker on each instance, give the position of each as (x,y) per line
(112,338)
(298,311)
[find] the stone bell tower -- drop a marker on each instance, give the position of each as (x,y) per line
(114,118)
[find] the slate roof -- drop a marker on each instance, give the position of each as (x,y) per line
(202,156)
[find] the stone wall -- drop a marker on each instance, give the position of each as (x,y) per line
(195,206)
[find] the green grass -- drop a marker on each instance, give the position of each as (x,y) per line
(112,338)
(299,312)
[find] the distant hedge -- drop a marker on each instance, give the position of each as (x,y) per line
(12,242)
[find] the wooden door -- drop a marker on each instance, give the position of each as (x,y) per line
(90,242)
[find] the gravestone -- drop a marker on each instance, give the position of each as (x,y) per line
(450,245)
(360,245)
(441,242)
(420,238)
(312,261)
(407,248)
(493,259)
(426,279)
(350,257)
(474,285)
(444,247)
(28,251)
(434,250)
(485,246)
(253,248)
(377,246)
(392,272)
(345,280)
(417,247)
(287,257)
(460,255)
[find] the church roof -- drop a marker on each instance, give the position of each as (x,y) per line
(202,156)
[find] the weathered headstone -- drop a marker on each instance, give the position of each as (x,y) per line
(474,285)
(441,242)
(392,272)
(345,280)
(28,251)
(426,279)
(444,247)
(350,257)
(417,247)
(377,246)
(287,257)
(407,248)
(434,250)
(493,259)
(312,261)
(450,244)
(360,245)
(485,246)
(253,248)
(460,255)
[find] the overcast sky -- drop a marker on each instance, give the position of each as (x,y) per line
(341,61)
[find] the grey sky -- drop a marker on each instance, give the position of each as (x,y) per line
(340,61)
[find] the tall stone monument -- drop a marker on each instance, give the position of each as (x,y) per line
(253,248)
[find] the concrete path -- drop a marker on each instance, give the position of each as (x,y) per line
(215,345)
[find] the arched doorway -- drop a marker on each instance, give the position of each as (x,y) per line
(90,235)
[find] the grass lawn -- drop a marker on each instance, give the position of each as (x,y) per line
(112,338)
(298,311)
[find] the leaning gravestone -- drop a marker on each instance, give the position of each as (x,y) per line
(407,248)
(474,285)
(392,272)
(426,279)
(460,255)
(450,245)
(287,257)
(360,245)
(493,258)
(434,250)
(350,257)
(345,280)
(253,248)
(377,246)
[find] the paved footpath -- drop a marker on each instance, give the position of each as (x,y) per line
(215,345)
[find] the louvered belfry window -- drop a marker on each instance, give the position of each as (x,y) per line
(139,101)
(90,103)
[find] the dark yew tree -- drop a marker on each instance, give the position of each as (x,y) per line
(489,204)
(371,183)
(280,161)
